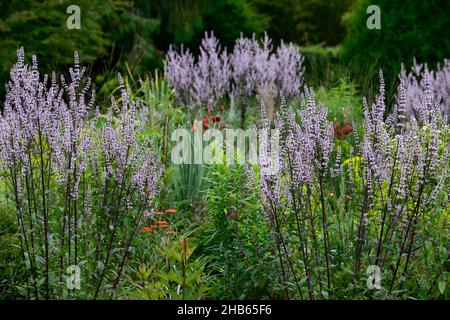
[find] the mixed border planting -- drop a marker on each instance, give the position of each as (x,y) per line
(353,208)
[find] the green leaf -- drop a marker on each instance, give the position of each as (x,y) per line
(443,253)
(100,265)
(441,286)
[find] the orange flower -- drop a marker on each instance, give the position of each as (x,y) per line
(195,125)
(171,211)
(164,226)
(348,197)
(171,232)
(153,226)
(162,222)
(147,229)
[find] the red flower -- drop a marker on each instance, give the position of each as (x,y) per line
(215,119)
(232,216)
(337,130)
(205,122)
(171,232)
(171,211)
(347,129)
(147,229)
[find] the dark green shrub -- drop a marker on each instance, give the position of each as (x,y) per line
(304,22)
(322,65)
(409,29)
(109,30)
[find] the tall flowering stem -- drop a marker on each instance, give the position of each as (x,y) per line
(217,74)
(404,168)
(73,178)
(336,212)
(302,167)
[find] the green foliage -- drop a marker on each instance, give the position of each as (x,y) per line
(116,32)
(408,29)
(322,65)
(187,182)
(343,102)
(304,22)
(8,248)
(167,269)
(244,20)
(185,22)
(236,237)
(109,29)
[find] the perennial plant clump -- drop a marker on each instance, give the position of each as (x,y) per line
(333,217)
(419,83)
(216,74)
(80,183)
